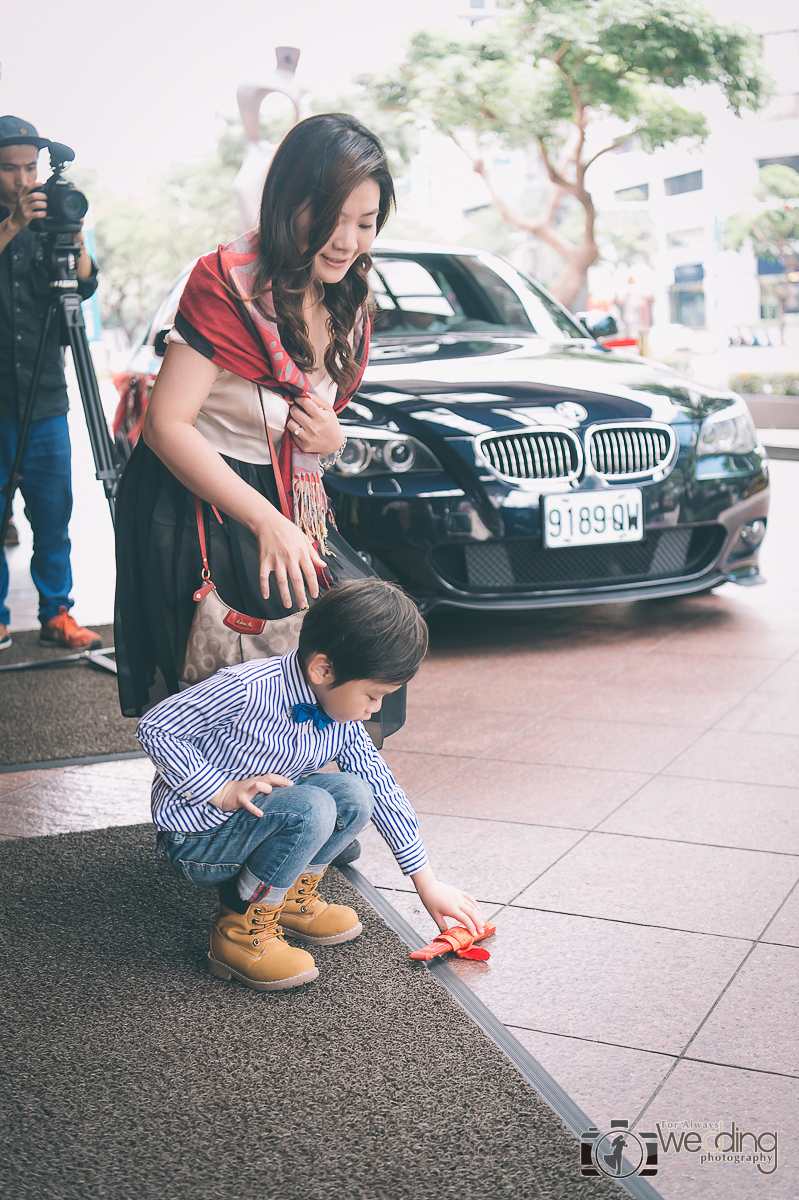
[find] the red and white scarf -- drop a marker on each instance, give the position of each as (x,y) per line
(217,317)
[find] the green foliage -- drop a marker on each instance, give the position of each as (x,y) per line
(773,232)
(627,238)
(784,383)
(542,65)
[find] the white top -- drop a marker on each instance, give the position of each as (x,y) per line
(232,418)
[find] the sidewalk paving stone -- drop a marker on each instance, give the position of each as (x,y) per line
(733,893)
(440,731)
(533,793)
(754,1023)
(601,979)
(764,712)
(784,929)
(750,816)
(757,758)
(608,1082)
(757,1104)
(493,868)
(652,705)
(609,745)
(699,671)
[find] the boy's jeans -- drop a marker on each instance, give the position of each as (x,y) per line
(303,826)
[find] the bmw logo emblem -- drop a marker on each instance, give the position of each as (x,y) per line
(571,411)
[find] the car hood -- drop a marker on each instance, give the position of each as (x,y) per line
(469,386)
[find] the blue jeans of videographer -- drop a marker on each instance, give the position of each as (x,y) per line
(47,491)
(303,828)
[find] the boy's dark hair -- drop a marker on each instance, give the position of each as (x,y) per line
(369,629)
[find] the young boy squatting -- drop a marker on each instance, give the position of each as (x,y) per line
(262,730)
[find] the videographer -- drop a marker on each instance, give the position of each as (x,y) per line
(46,469)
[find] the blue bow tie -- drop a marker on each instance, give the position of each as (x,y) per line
(311,712)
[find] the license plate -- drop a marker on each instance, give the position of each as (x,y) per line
(592,518)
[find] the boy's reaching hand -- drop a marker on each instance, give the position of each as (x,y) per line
(442,900)
(239,793)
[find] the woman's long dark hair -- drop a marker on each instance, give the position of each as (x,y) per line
(319,163)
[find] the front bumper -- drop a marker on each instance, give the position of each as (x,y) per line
(485,551)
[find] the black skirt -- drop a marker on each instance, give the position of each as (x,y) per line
(159,567)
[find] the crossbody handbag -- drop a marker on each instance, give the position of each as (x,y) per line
(219,635)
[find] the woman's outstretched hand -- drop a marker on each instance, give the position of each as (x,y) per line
(314,426)
(283,549)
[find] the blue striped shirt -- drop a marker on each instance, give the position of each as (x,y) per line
(239,724)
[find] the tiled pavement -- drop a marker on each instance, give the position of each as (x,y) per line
(618,787)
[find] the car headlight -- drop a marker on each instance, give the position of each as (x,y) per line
(730,430)
(375,452)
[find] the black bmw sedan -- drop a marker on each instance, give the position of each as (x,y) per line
(498,457)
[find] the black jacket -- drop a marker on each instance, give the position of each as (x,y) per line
(24,296)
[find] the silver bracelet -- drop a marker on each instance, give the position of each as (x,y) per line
(329,460)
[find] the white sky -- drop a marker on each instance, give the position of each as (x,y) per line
(134,85)
(137,84)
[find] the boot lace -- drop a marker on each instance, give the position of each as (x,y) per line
(308,892)
(264,922)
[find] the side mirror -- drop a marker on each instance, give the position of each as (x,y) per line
(159,341)
(600,325)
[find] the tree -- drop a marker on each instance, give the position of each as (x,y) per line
(773,233)
(547,72)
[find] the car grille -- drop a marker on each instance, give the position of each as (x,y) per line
(533,454)
(625,450)
(524,564)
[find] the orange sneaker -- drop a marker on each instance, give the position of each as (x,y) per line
(65,631)
(5,637)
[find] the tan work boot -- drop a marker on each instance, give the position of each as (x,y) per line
(250,946)
(309,918)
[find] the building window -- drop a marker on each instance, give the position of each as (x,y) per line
(791,161)
(676,184)
(689,273)
(639,192)
(685,239)
(688,305)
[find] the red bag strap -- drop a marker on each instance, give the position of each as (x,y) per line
(198,509)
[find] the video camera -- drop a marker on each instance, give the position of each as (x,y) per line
(66,206)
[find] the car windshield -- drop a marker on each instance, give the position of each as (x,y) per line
(430,294)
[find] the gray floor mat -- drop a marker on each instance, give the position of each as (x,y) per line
(66,711)
(129,1072)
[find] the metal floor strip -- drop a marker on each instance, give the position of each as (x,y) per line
(87,761)
(570,1113)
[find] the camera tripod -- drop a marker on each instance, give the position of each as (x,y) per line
(65,306)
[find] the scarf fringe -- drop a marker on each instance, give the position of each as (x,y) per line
(310,507)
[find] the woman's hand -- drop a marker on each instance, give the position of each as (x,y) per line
(442,900)
(239,793)
(285,550)
(314,426)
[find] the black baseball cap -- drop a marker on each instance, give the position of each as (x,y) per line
(15,132)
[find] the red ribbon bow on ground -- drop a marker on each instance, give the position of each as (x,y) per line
(458,939)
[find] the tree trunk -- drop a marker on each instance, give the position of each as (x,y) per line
(578,258)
